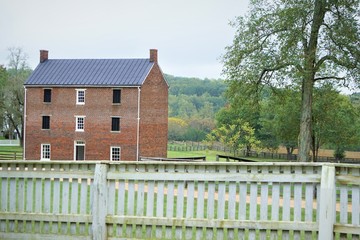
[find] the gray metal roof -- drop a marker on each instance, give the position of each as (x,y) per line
(90,72)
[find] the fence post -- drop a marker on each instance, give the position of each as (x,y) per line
(328,200)
(99,206)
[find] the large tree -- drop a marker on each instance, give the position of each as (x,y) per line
(298,42)
(12,92)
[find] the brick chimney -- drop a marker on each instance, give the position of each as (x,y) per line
(153,55)
(44,55)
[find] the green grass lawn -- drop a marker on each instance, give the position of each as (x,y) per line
(9,152)
(7,149)
(211,155)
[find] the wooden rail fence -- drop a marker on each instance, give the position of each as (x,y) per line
(178,200)
(11,155)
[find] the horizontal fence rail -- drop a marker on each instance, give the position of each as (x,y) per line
(15,142)
(11,155)
(178,200)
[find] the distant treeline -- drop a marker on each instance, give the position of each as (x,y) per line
(193,104)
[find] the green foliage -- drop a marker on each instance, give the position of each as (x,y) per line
(235,136)
(294,44)
(195,102)
(339,153)
(280,119)
(12,92)
(195,86)
(336,120)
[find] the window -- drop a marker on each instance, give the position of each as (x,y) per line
(115,153)
(47,95)
(116,96)
(45,151)
(45,122)
(115,124)
(80,96)
(79,153)
(80,123)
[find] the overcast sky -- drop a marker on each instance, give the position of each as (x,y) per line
(190,35)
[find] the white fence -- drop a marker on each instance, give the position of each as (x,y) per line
(147,200)
(10,142)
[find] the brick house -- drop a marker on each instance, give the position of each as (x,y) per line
(96,109)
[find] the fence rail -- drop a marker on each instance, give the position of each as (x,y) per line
(11,155)
(15,142)
(178,200)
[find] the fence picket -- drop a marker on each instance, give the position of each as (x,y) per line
(140,206)
(275,199)
(264,199)
(190,204)
(242,201)
(160,202)
(355,203)
(232,207)
(179,208)
(309,202)
(150,202)
(200,206)
(286,203)
(253,203)
(221,200)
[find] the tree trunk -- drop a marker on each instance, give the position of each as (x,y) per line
(305,137)
(310,50)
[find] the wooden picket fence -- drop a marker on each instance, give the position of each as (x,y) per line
(178,200)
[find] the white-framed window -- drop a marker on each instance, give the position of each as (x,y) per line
(80,123)
(80,96)
(79,150)
(115,153)
(45,152)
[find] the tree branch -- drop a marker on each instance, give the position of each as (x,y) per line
(329,77)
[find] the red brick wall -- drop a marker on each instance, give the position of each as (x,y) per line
(97,134)
(154,115)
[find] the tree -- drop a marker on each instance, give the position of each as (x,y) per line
(301,43)
(280,120)
(335,121)
(176,129)
(3,79)
(12,105)
(235,136)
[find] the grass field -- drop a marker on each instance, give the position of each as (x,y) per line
(17,149)
(10,152)
(211,155)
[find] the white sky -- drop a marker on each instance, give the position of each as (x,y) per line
(190,35)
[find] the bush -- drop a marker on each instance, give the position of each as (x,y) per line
(339,153)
